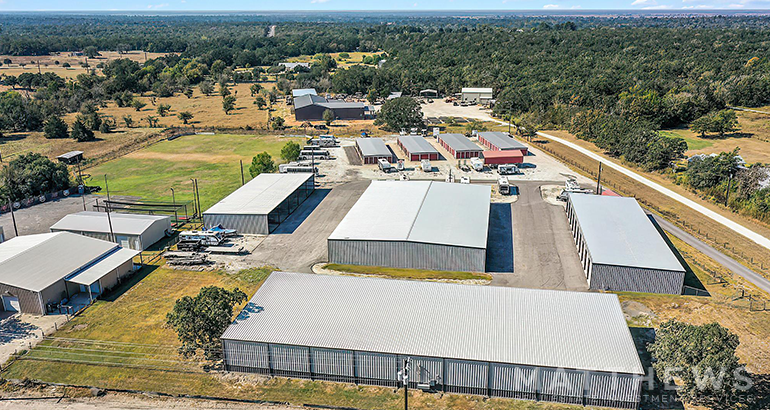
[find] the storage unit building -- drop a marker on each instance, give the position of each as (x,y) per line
(417,148)
(311,107)
(133,231)
(372,149)
(572,347)
(620,248)
(500,141)
(415,224)
(262,204)
(478,95)
(43,269)
(459,146)
(494,158)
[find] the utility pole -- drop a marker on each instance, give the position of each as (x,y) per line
(195,203)
(243,180)
(107,187)
(599,181)
(173,200)
(198,195)
(13,217)
(727,194)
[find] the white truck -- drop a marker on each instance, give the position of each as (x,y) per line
(477,164)
(465,180)
(503,186)
(384,165)
(426,166)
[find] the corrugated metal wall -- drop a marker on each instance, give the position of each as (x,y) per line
(407,255)
(249,224)
(29,302)
(460,376)
(628,279)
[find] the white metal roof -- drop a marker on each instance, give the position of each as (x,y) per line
(618,232)
(260,195)
(373,147)
(416,144)
(104,266)
(501,140)
(419,211)
(477,90)
(35,262)
(122,224)
(575,330)
(302,91)
(459,142)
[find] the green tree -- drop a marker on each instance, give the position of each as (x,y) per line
(80,132)
(107,125)
(200,321)
(138,105)
(260,101)
(399,114)
(475,125)
(290,151)
(188,92)
(372,96)
(152,121)
(32,174)
(277,123)
(720,123)
(163,109)
(702,358)
(328,117)
(206,88)
(128,120)
(228,104)
(254,89)
(262,163)
(55,128)
(223,91)
(185,116)
(91,52)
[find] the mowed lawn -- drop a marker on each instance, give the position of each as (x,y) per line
(212,159)
(133,349)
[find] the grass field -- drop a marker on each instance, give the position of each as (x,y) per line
(212,159)
(407,273)
(48,62)
(354,57)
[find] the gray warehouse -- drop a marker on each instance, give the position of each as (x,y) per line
(310,107)
(571,347)
(415,224)
(262,204)
(372,149)
(620,248)
(131,231)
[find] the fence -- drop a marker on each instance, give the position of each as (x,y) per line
(39,199)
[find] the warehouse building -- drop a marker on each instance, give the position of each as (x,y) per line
(372,149)
(132,231)
(415,224)
(500,141)
(495,158)
(459,146)
(311,107)
(572,347)
(417,148)
(262,204)
(39,271)
(477,95)
(620,248)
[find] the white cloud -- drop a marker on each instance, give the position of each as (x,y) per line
(551,6)
(157,6)
(644,3)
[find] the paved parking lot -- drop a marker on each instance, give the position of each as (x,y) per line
(544,255)
(39,218)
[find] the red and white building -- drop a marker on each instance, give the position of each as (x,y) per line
(417,148)
(459,146)
(500,141)
(494,158)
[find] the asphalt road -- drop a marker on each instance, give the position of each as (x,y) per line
(722,259)
(544,254)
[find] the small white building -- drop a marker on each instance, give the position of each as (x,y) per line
(132,231)
(478,95)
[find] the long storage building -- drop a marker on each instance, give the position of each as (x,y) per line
(459,146)
(372,149)
(417,148)
(415,224)
(571,347)
(500,141)
(620,248)
(38,271)
(133,231)
(262,204)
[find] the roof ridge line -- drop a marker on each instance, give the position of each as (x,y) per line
(417,214)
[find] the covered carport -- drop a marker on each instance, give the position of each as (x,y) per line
(102,275)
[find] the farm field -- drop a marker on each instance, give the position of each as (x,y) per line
(354,58)
(212,159)
(47,62)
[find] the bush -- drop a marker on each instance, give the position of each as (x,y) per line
(55,128)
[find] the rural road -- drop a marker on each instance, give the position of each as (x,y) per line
(722,259)
(759,239)
(749,110)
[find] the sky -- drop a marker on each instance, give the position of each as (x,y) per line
(264,5)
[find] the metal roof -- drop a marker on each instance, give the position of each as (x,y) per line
(70,155)
(503,154)
(477,90)
(618,232)
(307,100)
(341,104)
(260,195)
(416,144)
(573,330)
(419,211)
(104,266)
(373,147)
(301,91)
(122,224)
(459,142)
(501,140)
(35,262)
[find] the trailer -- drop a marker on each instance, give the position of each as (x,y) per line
(384,165)
(294,167)
(503,186)
(426,166)
(477,164)
(208,238)
(507,169)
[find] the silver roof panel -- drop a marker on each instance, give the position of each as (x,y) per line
(502,140)
(122,224)
(459,142)
(260,195)
(416,144)
(373,147)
